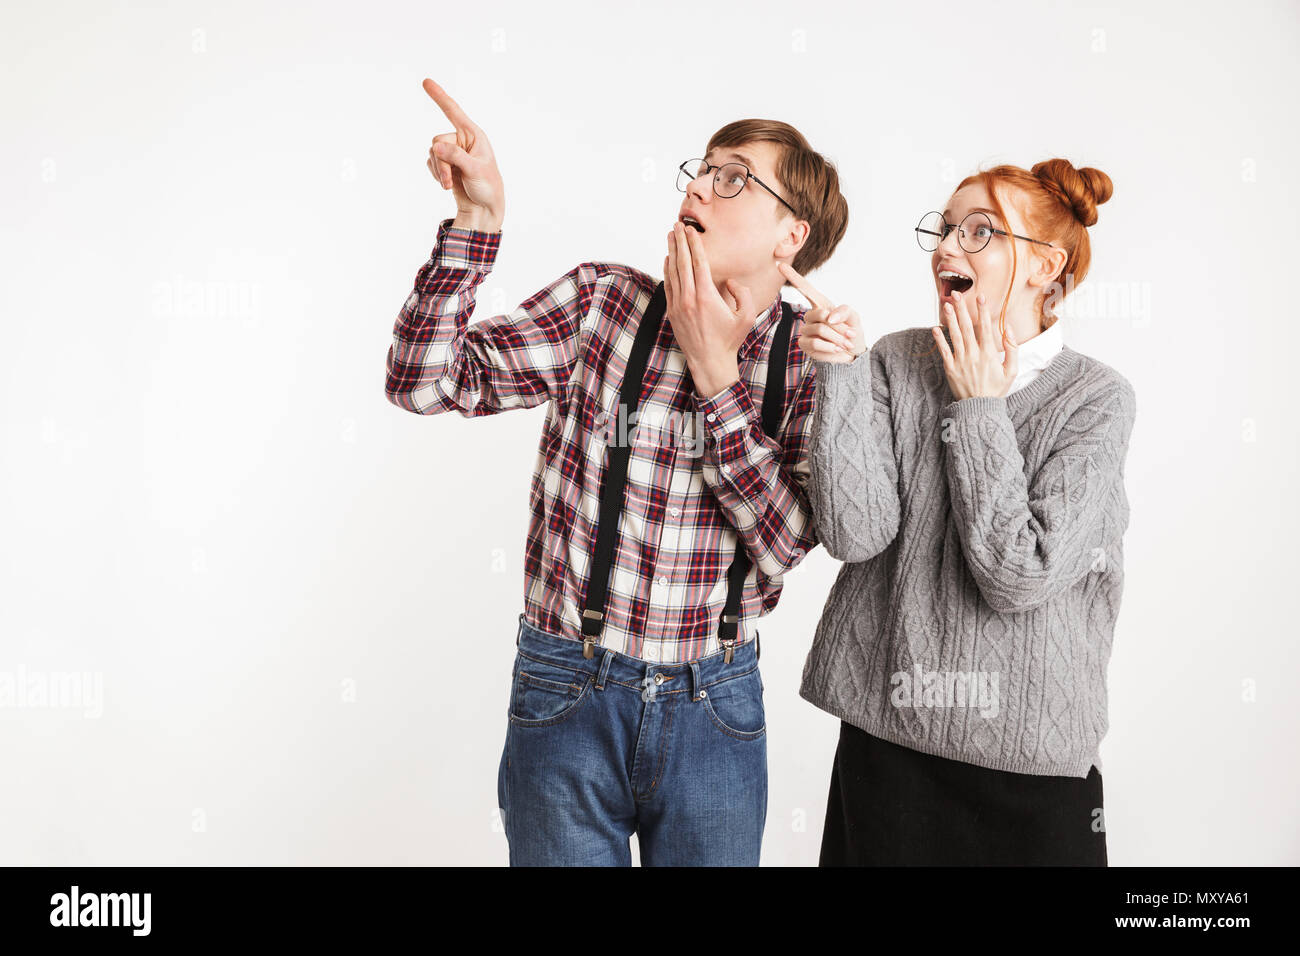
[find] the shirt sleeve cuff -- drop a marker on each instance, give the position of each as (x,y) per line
(470,249)
(728,413)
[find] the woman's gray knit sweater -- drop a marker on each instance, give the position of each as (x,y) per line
(973,616)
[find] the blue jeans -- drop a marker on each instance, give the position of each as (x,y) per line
(599,749)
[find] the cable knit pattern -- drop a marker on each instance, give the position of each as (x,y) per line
(980,537)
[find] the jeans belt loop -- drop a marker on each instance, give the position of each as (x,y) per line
(696,691)
(607,658)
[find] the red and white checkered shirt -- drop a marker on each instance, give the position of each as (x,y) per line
(686,499)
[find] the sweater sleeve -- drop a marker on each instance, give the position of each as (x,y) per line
(854,475)
(1026,541)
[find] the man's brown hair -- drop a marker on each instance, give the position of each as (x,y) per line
(810,180)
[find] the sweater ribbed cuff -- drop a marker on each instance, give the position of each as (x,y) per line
(976,407)
(855,375)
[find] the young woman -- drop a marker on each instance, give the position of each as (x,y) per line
(971,477)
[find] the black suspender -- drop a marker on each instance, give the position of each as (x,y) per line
(616,459)
(773,403)
(616,462)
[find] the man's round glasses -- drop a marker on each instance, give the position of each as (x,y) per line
(728,181)
(973,232)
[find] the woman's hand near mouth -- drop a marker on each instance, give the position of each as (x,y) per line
(972,364)
(829,333)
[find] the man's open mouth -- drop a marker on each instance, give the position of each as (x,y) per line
(688,221)
(954,282)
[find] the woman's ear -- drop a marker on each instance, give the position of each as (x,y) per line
(793,240)
(1049,266)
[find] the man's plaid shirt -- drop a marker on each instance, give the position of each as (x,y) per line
(701,469)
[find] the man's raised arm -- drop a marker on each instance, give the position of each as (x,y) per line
(437,362)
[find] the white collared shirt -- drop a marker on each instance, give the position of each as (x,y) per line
(1037,353)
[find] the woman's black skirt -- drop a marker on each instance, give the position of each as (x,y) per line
(893,806)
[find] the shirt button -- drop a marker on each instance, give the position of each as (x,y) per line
(725,470)
(663,582)
(711,417)
(675,512)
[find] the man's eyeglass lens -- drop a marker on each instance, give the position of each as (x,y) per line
(728,180)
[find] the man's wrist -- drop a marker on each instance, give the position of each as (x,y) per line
(477,221)
(710,381)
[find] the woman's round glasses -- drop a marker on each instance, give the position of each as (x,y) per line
(727,183)
(973,232)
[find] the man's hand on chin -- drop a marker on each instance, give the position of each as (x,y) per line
(709,329)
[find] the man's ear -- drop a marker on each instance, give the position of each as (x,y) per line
(793,240)
(1048,267)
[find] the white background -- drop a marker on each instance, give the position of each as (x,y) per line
(212,213)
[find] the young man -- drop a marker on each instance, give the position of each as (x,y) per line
(669,495)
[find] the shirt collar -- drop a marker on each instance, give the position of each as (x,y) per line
(1037,353)
(762,323)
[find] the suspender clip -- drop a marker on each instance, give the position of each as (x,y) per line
(590,632)
(728,643)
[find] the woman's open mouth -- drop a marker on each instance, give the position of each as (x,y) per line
(952,282)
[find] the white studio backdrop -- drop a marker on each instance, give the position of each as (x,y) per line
(296,604)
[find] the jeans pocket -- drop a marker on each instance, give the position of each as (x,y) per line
(546,693)
(735,705)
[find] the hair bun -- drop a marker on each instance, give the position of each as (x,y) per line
(1083,190)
